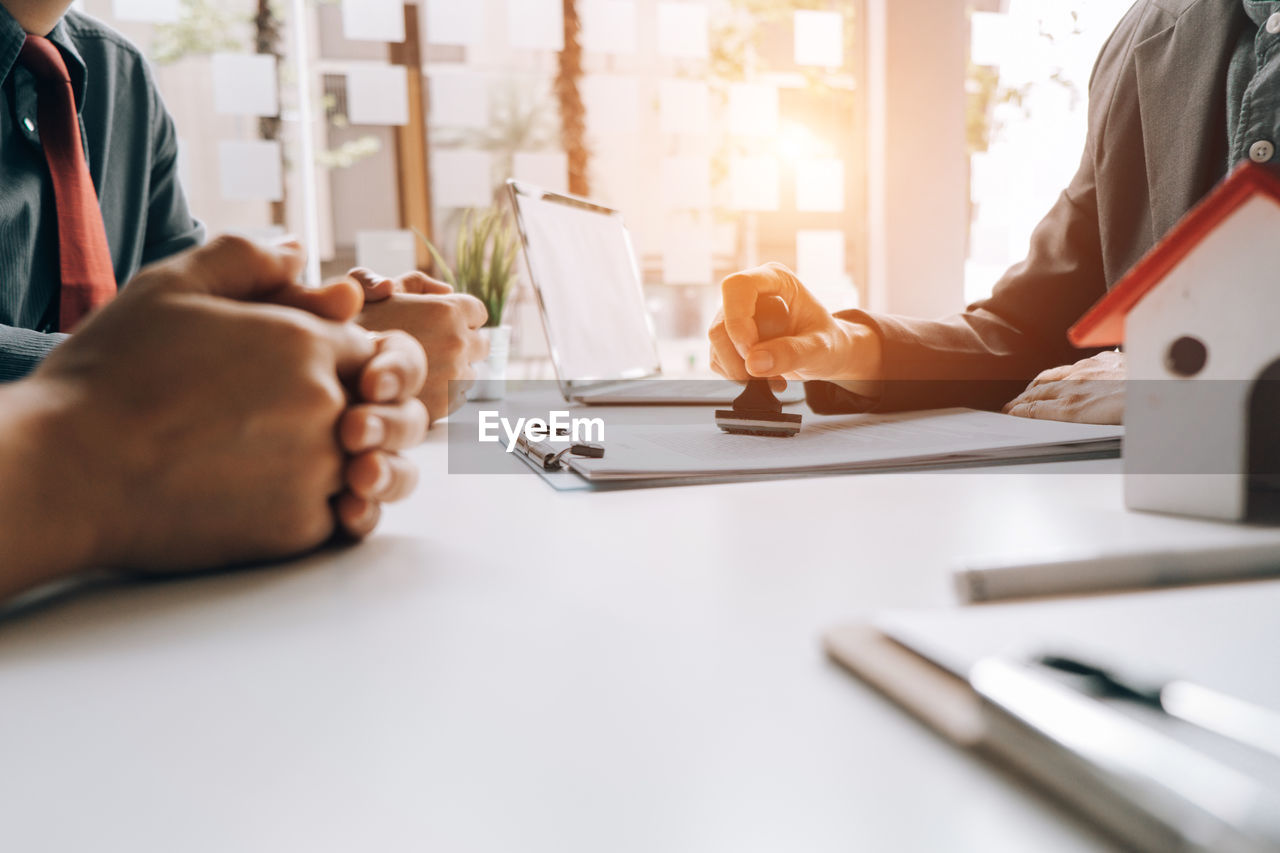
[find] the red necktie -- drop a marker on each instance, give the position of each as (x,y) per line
(88,279)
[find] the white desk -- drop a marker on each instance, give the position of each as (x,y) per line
(507,668)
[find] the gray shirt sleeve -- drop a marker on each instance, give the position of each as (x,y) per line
(22,350)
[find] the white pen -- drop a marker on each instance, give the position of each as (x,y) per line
(1104,572)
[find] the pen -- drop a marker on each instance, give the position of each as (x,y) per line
(1204,707)
(1073,575)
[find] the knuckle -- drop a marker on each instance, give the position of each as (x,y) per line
(231,244)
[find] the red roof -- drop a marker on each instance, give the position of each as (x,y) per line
(1103,324)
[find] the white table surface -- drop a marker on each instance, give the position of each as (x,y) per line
(507,668)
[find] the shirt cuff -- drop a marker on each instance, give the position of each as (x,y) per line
(22,350)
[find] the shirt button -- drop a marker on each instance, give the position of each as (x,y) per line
(29,125)
(1261,151)
(1273,24)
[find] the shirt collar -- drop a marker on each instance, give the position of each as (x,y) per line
(12,36)
(61,36)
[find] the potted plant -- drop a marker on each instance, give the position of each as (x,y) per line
(484,267)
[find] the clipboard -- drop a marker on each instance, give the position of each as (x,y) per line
(1155,782)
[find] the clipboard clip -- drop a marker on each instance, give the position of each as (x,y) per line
(549,457)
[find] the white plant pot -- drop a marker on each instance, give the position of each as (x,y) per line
(491,374)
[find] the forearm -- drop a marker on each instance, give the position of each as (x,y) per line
(46,529)
(22,350)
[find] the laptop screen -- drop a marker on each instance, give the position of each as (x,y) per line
(584,269)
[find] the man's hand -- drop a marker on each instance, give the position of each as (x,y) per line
(195,431)
(445,323)
(816,345)
(1090,391)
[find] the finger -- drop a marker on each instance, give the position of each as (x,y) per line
(356,516)
(339,301)
(1047,391)
(1026,409)
(373,426)
(396,372)
(1052,375)
(725,354)
(420,282)
(381,476)
(376,288)
(792,354)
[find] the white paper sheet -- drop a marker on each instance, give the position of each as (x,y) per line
(455,22)
(461,178)
(848,443)
(378,94)
(458,98)
(547,170)
(250,170)
(820,257)
(820,186)
(612,102)
(535,24)
(686,183)
(686,251)
(753,183)
(386,252)
(609,26)
(149,11)
(245,84)
(819,38)
(753,109)
(683,107)
(373,20)
(683,30)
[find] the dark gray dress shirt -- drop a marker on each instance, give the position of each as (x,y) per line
(132,152)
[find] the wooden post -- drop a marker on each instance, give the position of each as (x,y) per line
(413,152)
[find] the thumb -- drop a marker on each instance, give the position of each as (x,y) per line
(421,283)
(353,347)
(788,355)
(376,287)
(236,268)
(339,301)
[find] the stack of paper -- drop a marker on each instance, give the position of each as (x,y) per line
(841,444)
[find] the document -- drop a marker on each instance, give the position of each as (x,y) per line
(684,30)
(378,94)
(819,38)
(245,84)
(841,444)
(373,20)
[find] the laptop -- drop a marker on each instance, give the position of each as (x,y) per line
(591,299)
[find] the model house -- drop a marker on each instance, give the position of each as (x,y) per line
(1199,318)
